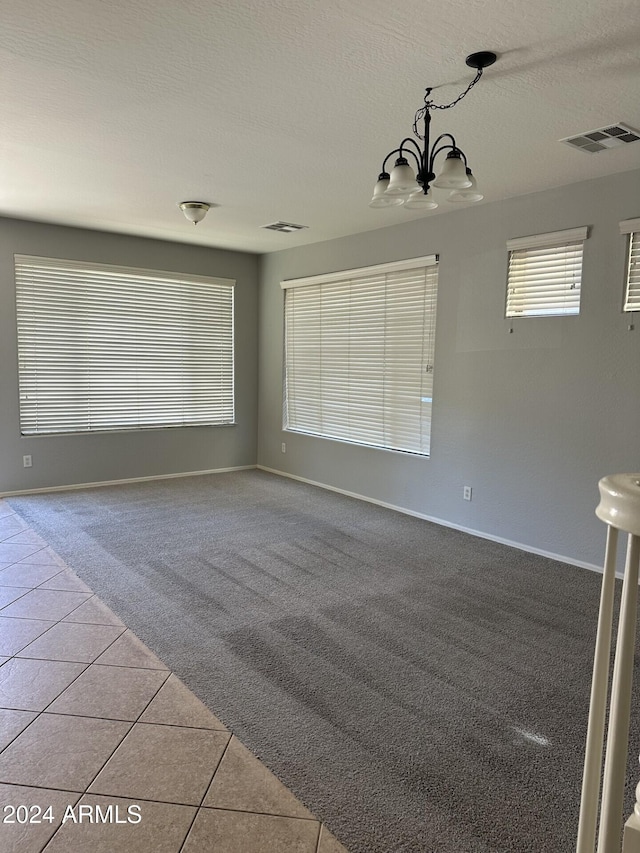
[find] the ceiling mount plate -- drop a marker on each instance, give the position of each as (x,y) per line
(483,59)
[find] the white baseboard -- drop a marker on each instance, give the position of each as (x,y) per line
(122,482)
(441,521)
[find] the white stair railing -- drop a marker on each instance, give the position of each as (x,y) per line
(619,507)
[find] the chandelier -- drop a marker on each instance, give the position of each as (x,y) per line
(413,189)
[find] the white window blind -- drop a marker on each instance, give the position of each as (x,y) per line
(111,348)
(632,289)
(359,349)
(545,274)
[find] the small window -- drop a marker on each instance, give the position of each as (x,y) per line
(110,348)
(632,286)
(545,274)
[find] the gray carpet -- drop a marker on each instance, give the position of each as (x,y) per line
(419,689)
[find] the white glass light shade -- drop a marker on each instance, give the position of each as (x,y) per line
(469,194)
(380,199)
(195,211)
(454,174)
(403,180)
(420,200)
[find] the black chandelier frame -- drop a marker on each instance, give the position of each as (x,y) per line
(425,158)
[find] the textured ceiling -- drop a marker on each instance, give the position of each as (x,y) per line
(114,111)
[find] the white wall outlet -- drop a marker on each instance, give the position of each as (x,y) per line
(284,447)
(466,493)
(27,462)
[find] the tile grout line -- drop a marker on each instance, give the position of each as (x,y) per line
(55,832)
(85,791)
(25,589)
(131,723)
(22,731)
(134,722)
(14,657)
(32,618)
(40,618)
(165,802)
(53,577)
(64,660)
(41,712)
(204,796)
(30,710)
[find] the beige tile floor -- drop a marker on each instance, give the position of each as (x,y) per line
(102,748)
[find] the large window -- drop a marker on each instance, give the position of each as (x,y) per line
(545,274)
(112,348)
(359,348)
(631,227)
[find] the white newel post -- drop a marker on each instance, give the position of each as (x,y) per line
(619,507)
(631,843)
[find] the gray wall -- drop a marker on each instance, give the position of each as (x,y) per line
(71,459)
(531,420)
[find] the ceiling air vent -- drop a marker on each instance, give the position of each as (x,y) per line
(612,136)
(285,227)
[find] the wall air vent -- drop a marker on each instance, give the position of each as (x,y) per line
(285,227)
(612,136)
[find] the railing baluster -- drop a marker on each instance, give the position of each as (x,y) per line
(615,764)
(598,706)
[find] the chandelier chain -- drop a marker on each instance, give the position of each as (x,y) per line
(429,105)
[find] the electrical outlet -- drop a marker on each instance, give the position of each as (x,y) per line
(466,493)
(27,461)
(284,447)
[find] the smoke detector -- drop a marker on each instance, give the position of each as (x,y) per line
(611,136)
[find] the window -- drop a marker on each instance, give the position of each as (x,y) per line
(112,348)
(359,349)
(545,273)
(632,288)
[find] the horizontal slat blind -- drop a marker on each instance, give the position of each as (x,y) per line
(545,281)
(359,358)
(111,348)
(632,300)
